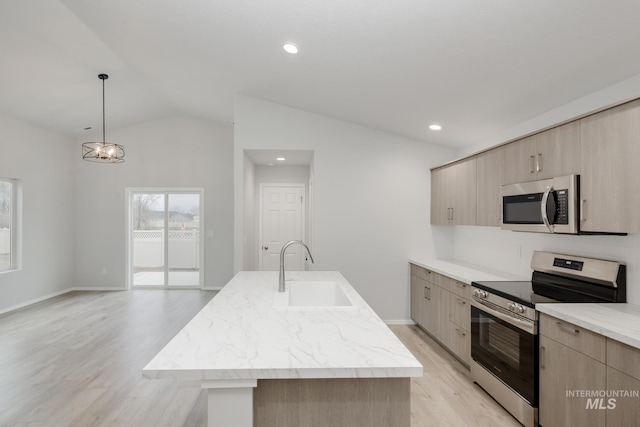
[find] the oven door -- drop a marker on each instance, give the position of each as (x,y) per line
(506,350)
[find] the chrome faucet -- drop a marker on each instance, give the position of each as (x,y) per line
(284,248)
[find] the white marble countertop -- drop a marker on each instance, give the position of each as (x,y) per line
(239,335)
(620,322)
(465,272)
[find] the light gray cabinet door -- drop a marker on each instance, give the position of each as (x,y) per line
(563,370)
(453,193)
(623,410)
(558,151)
(609,170)
(416,296)
(441,195)
(490,177)
(553,152)
(465,193)
(520,161)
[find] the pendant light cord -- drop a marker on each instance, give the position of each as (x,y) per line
(104,140)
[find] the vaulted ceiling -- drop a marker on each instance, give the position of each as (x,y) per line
(475,67)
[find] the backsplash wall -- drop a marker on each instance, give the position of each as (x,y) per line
(511,251)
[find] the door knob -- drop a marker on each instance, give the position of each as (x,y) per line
(265,248)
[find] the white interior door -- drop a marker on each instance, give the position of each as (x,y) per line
(281,220)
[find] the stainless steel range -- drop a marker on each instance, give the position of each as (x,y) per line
(504,323)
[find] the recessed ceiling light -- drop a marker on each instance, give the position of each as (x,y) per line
(270,164)
(281,159)
(435,127)
(291,48)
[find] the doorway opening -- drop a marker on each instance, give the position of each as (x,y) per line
(165,244)
(277,207)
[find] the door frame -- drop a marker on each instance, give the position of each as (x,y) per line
(129,191)
(261,186)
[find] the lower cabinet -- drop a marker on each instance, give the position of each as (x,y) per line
(564,371)
(586,379)
(440,306)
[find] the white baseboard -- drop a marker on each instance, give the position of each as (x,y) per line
(399,322)
(34,301)
(64,291)
(215,288)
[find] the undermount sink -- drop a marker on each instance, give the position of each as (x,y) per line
(312,294)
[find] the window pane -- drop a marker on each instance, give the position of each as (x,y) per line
(148,239)
(6,224)
(184,239)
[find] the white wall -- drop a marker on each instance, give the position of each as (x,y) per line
(370,199)
(249,242)
(172,152)
(42,161)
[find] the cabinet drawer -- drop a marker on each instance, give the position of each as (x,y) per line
(459,311)
(423,273)
(575,337)
(623,358)
(460,289)
(460,342)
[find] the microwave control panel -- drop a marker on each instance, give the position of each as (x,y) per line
(562,213)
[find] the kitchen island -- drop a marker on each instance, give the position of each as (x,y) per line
(265,363)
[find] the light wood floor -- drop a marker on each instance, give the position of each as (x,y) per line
(76,360)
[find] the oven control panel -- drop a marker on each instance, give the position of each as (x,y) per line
(568,263)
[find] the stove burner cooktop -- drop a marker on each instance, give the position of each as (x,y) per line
(517,291)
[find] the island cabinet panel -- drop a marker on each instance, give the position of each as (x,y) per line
(357,402)
(490,177)
(609,173)
(551,153)
(453,193)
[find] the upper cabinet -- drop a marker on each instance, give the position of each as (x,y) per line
(453,193)
(554,152)
(603,148)
(490,177)
(610,173)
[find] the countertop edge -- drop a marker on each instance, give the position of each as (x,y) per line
(464,272)
(270,374)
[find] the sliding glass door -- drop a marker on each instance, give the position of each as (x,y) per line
(165,238)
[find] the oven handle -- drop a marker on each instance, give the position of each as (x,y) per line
(525,325)
(543,207)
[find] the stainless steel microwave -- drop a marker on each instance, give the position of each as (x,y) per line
(546,206)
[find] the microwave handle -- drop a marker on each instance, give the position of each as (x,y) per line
(543,207)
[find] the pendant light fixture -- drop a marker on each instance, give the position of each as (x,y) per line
(103,152)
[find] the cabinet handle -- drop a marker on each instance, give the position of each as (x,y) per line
(461,285)
(461,301)
(531,161)
(542,354)
(461,333)
(583,205)
(427,293)
(567,328)
(451,214)
(539,163)
(500,212)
